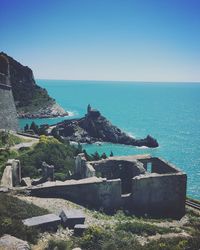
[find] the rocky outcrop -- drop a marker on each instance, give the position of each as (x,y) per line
(95,127)
(31,100)
(8,242)
(48,111)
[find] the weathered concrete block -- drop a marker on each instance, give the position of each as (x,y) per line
(79,229)
(45,222)
(72,217)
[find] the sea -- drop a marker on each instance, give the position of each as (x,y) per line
(170,112)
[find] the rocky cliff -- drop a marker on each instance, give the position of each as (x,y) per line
(95,127)
(31,100)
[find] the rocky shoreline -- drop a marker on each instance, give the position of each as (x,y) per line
(31,100)
(52,111)
(96,128)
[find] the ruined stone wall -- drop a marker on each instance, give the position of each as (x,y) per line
(7,180)
(89,170)
(8,114)
(16,172)
(159,166)
(162,167)
(12,174)
(105,194)
(160,195)
(83,168)
(123,169)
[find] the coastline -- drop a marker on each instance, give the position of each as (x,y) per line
(52,111)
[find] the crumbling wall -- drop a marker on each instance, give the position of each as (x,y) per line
(83,168)
(160,195)
(12,174)
(7,180)
(96,193)
(159,166)
(123,169)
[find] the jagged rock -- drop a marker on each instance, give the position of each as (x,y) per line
(31,100)
(95,127)
(8,242)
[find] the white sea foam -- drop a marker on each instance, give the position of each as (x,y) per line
(142,147)
(71,113)
(130,134)
(98,143)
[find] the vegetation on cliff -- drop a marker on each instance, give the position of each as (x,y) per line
(30,99)
(8,139)
(51,151)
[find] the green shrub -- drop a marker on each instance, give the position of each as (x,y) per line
(140,228)
(59,245)
(93,238)
(52,152)
(173,244)
(12,212)
(8,139)
(107,239)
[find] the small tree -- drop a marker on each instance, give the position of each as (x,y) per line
(111,154)
(104,156)
(34,127)
(5,137)
(26,127)
(96,156)
(87,156)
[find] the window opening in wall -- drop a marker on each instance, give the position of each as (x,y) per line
(149,167)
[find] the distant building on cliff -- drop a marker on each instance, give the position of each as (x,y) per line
(8,113)
(92,112)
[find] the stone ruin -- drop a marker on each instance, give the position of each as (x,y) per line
(12,174)
(140,183)
(47,174)
(92,112)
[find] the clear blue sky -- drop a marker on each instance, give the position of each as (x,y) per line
(149,40)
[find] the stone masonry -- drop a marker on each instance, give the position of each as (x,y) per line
(8,113)
(141,183)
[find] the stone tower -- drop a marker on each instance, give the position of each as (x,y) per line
(8,113)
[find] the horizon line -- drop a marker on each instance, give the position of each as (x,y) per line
(131,81)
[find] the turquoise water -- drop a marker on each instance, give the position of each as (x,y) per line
(169,112)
